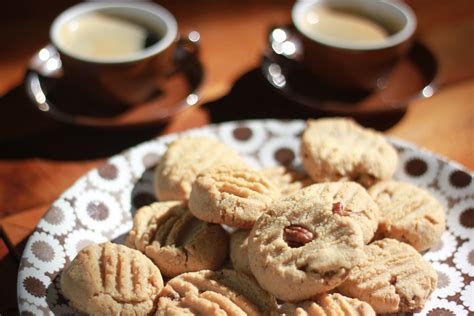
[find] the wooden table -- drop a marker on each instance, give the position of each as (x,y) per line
(40,158)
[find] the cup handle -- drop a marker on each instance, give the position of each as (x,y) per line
(285,42)
(187,48)
(46,62)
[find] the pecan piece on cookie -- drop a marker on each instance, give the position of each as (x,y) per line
(297,249)
(345,199)
(338,208)
(297,236)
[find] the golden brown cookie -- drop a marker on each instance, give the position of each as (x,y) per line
(299,248)
(224,292)
(334,149)
(231,194)
(182,162)
(177,241)
(239,251)
(409,214)
(348,199)
(394,278)
(328,305)
(111,279)
(287,180)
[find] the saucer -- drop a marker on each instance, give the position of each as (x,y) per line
(413,77)
(52,96)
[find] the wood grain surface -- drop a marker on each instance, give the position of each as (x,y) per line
(40,158)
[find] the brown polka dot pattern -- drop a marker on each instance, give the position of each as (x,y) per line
(284,156)
(443,280)
(416,167)
(421,167)
(108,171)
(460,179)
(34,286)
(470,257)
(242,133)
(440,312)
(54,216)
(467,218)
(98,211)
(42,250)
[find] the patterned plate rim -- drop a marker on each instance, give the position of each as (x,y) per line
(29,302)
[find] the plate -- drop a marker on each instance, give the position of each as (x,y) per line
(64,103)
(100,206)
(413,77)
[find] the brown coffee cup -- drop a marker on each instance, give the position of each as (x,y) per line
(123,80)
(355,66)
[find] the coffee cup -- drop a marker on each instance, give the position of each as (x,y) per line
(116,53)
(352,44)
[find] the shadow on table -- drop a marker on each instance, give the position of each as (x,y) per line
(25,132)
(252,97)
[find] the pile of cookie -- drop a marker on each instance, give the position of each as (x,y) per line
(343,239)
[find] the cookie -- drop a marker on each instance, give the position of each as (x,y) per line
(409,214)
(328,304)
(298,249)
(224,292)
(334,149)
(239,251)
(111,279)
(394,278)
(182,162)
(348,199)
(287,180)
(231,194)
(175,240)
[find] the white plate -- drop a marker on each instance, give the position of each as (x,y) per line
(99,207)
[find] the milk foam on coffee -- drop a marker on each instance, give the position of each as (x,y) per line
(98,35)
(341,26)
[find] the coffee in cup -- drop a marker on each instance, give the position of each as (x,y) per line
(351,44)
(103,36)
(332,24)
(116,53)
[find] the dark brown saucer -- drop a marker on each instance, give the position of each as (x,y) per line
(63,102)
(413,77)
